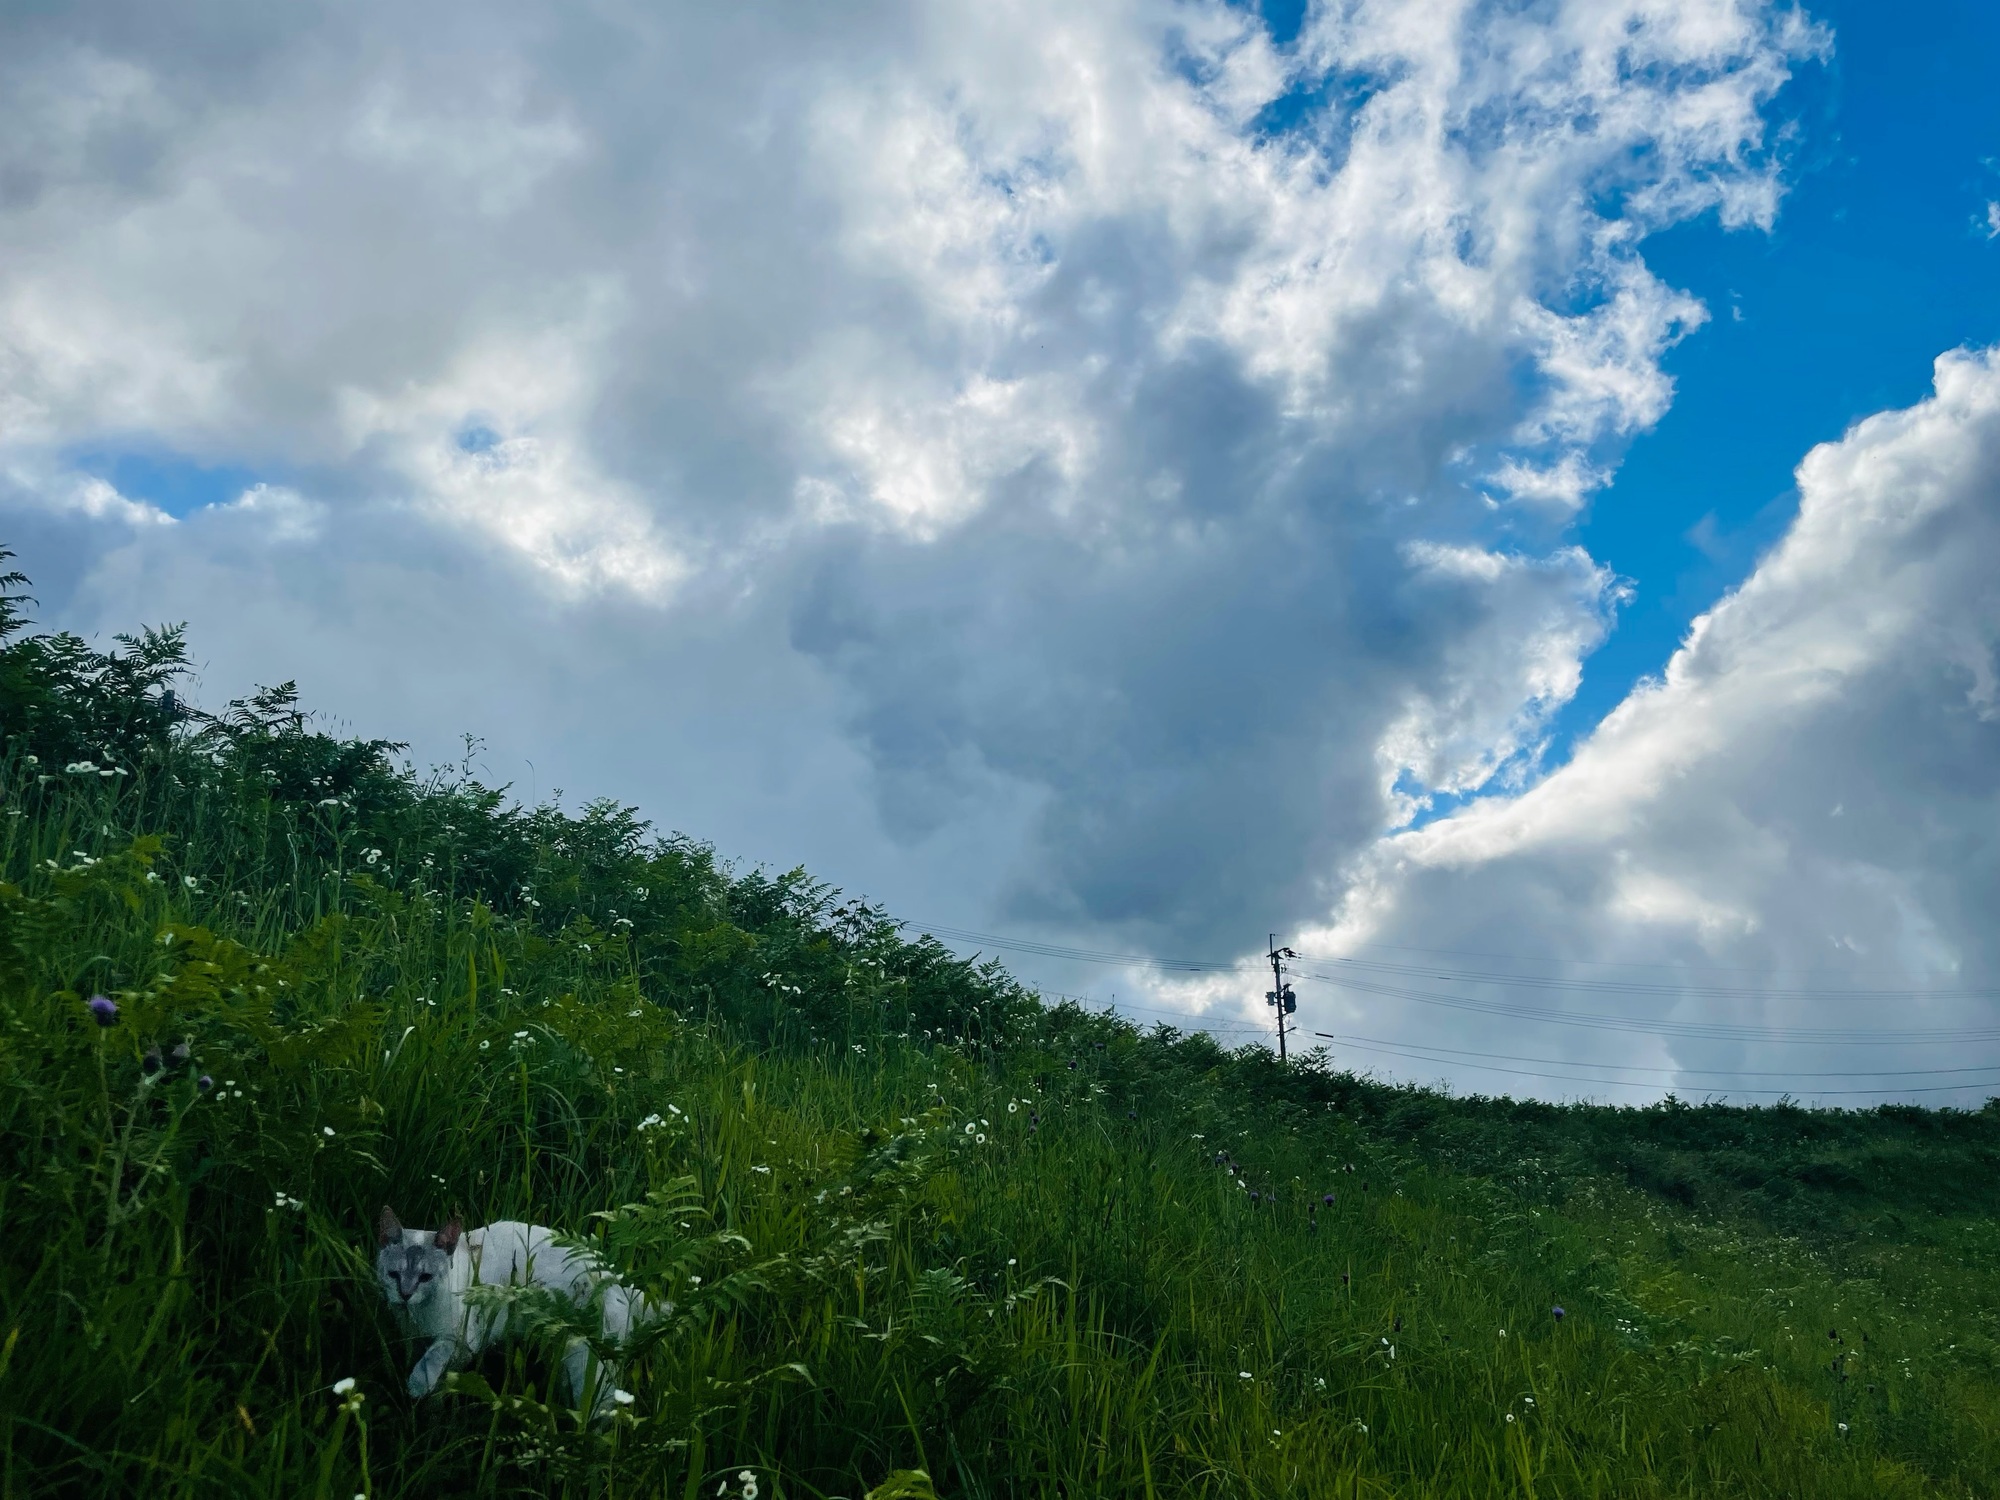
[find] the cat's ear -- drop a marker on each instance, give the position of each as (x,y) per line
(388,1229)
(447,1237)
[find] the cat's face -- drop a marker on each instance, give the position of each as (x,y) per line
(413,1265)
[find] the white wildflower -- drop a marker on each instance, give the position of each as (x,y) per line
(343,1385)
(326,1130)
(623,1398)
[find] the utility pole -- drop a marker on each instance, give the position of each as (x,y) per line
(1279,997)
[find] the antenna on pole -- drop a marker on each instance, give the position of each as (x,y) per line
(1280,997)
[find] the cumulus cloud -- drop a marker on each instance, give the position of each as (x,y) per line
(1092,466)
(1802,805)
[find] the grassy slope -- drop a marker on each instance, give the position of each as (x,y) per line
(935,1226)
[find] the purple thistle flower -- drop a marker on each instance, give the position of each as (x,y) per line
(103,1008)
(150,1063)
(1253,1197)
(204,1083)
(179,1055)
(1558,1312)
(1131,1114)
(1328,1200)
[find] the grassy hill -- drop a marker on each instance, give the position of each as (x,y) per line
(921,1233)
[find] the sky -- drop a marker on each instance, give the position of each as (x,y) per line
(1497,495)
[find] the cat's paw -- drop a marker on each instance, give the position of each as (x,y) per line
(421,1382)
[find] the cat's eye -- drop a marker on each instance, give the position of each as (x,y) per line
(423,1276)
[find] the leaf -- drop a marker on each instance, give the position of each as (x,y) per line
(471,1383)
(904,1484)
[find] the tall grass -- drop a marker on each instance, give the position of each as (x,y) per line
(920,1234)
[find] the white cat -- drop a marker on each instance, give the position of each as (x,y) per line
(425,1273)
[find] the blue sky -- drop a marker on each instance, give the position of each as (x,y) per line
(1881,258)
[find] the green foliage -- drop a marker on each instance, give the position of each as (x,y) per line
(911,1233)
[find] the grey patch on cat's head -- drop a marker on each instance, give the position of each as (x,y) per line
(413,1265)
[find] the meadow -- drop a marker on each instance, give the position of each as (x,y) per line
(922,1233)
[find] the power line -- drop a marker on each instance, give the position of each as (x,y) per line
(1560,1062)
(1657,1026)
(1640,988)
(1636,1084)
(1081,955)
(1461,976)
(1115,1006)
(1654,1026)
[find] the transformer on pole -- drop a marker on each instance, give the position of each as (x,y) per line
(1280,997)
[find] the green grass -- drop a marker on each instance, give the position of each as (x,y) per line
(941,1231)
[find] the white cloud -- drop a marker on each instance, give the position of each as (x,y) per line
(1804,802)
(1052,435)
